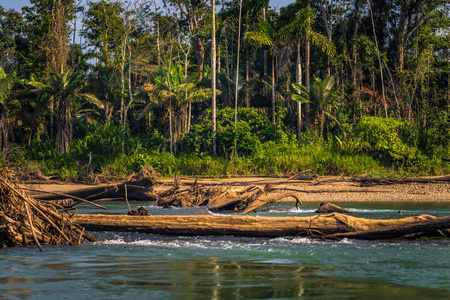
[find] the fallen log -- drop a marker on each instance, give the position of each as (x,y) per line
(393,232)
(264,199)
(327,207)
(371,181)
(227,198)
(238,225)
(138,188)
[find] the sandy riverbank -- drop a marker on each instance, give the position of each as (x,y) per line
(333,189)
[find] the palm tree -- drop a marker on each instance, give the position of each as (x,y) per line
(297,30)
(65,88)
(301,95)
(265,36)
(172,90)
(323,98)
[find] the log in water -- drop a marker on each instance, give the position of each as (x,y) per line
(238,225)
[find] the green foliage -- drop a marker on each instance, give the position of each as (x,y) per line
(352,146)
(300,90)
(251,131)
(41,150)
(385,137)
(140,58)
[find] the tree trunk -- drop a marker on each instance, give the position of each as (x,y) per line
(237,225)
(170,126)
(307,81)
(213,75)
(265,51)
(237,71)
(379,59)
(197,43)
(274,102)
(218,60)
(3,132)
(299,81)
(247,78)
(64,135)
(421,227)
(322,121)
(189,116)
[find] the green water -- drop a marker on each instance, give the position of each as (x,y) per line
(147,266)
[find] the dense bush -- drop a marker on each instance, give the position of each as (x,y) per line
(387,139)
(251,131)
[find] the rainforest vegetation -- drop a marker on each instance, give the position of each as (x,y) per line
(93,90)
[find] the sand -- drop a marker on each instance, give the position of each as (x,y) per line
(332,189)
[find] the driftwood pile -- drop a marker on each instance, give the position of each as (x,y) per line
(218,197)
(25,221)
(141,188)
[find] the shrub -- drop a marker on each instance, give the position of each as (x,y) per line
(384,136)
(251,131)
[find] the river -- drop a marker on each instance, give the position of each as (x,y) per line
(148,266)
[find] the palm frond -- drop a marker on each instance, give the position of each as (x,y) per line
(258,38)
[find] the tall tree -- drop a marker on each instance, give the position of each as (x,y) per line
(297,29)
(65,89)
(265,36)
(213,73)
(194,11)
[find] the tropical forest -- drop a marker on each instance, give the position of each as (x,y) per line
(96,90)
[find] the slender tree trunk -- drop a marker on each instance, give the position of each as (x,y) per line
(218,59)
(227,60)
(157,35)
(247,78)
(189,117)
(401,51)
(52,116)
(130,92)
(299,81)
(379,59)
(237,81)
(213,74)
(265,51)
(328,22)
(322,121)
(170,126)
(273,91)
(122,85)
(237,67)
(307,80)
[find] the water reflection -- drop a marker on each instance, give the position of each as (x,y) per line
(212,277)
(151,266)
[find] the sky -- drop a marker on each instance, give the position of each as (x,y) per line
(18,4)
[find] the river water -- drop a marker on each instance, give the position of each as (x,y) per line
(148,266)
